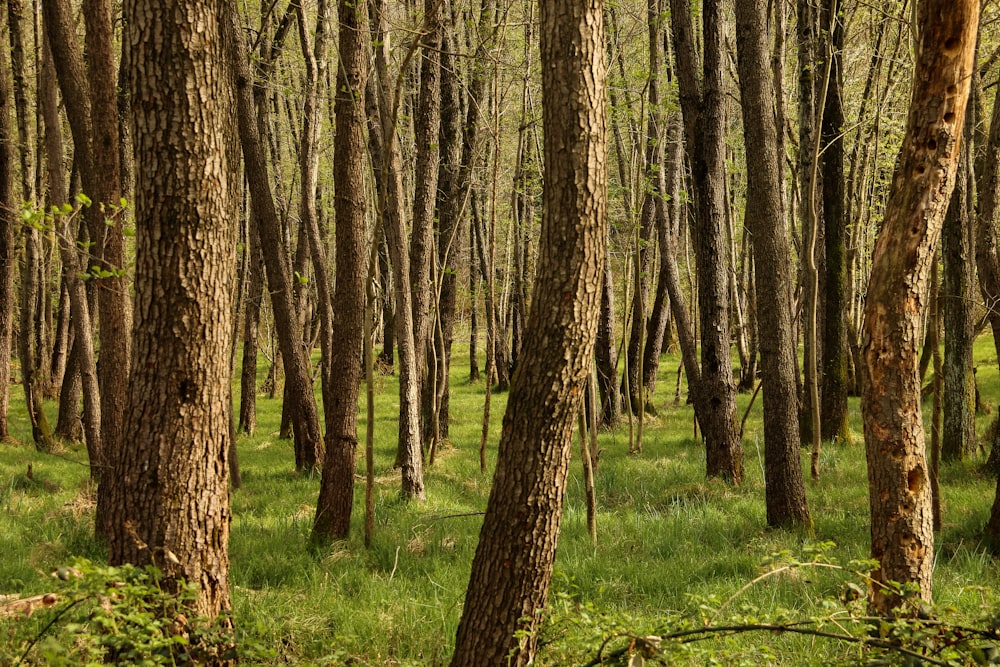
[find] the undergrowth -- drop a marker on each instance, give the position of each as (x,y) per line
(671,545)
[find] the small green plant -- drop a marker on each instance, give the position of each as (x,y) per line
(120,615)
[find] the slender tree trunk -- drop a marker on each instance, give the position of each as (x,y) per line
(703,110)
(958,436)
(8,225)
(513,564)
(833,394)
(902,526)
(305,422)
(336,497)
(382,109)
(251,323)
(784,486)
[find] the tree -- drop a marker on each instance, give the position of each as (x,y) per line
(8,217)
(703,109)
(833,393)
(170,499)
(786,497)
(513,563)
(336,495)
(902,531)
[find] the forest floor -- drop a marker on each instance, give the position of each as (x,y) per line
(673,549)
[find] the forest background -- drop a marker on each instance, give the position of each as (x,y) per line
(422,229)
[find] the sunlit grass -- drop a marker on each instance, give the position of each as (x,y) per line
(667,537)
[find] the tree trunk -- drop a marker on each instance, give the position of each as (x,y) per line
(513,564)
(833,393)
(251,322)
(958,434)
(305,421)
(703,109)
(784,487)
(9,221)
(170,505)
(902,527)
(336,496)
(382,109)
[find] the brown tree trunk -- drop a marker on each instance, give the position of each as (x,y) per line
(305,421)
(958,433)
(170,506)
(784,487)
(8,225)
(251,322)
(382,112)
(902,527)
(703,109)
(336,495)
(833,393)
(513,564)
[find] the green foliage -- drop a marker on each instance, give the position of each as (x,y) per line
(672,547)
(118,614)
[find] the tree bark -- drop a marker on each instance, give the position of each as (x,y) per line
(305,421)
(385,153)
(833,393)
(703,110)
(336,496)
(902,526)
(8,225)
(784,486)
(958,433)
(170,506)
(513,564)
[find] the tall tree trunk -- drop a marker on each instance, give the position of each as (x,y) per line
(784,487)
(426,130)
(170,503)
(382,113)
(833,394)
(336,496)
(958,435)
(251,323)
(82,352)
(249,105)
(8,224)
(703,110)
(902,527)
(513,564)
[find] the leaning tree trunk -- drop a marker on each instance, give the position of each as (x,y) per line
(902,526)
(513,564)
(784,487)
(305,419)
(170,501)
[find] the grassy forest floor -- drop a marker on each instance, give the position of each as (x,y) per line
(672,547)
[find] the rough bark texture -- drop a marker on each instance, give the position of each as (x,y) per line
(703,108)
(170,505)
(958,435)
(8,221)
(385,154)
(834,378)
(305,417)
(513,564)
(902,530)
(336,495)
(251,320)
(785,489)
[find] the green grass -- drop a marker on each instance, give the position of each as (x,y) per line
(668,538)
